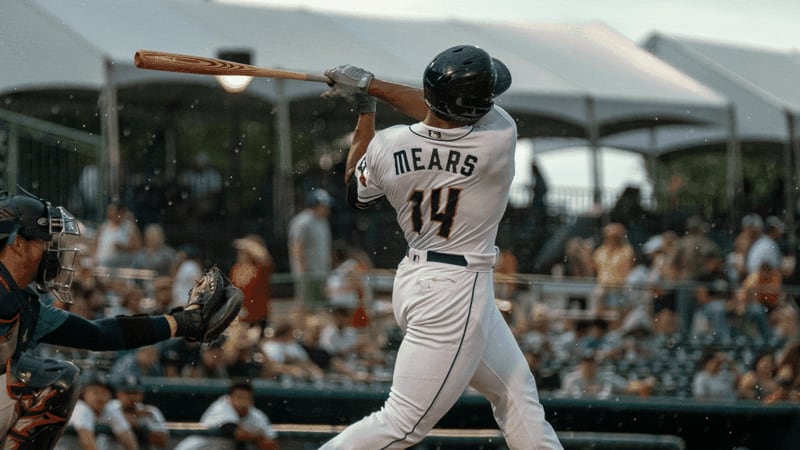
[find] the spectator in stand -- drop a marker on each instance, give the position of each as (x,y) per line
(178,355)
(118,238)
(686,264)
(242,354)
(578,263)
(212,363)
(636,343)
(760,381)
(505,270)
(146,421)
(241,425)
(155,254)
(188,269)
(142,362)
(570,343)
(93,409)
(338,337)
(130,302)
(766,249)
(789,366)
(716,378)
(310,248)
(162,296)
(664,308)
(287,358)
(785,392)
(536,334)
(587,380)
(252,273)
(346,285)
(629,210)
(760,298)
(578,257)
(538,188)
(331,364)
(715,301)
(547,379)
(611,262)
(752,226)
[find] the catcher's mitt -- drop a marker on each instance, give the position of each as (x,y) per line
(212,305)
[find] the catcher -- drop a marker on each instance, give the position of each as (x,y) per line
(38,249)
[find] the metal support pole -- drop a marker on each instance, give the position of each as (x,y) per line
(734,167)
(283,200)
(791,178)
(12,165)
(110,171)
(593,133)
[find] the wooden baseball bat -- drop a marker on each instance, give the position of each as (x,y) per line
(173,62)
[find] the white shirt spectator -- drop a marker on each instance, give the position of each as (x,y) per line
(146,415)
(764,251)
(338,341)
(83,418)
(221,412)
(284,352)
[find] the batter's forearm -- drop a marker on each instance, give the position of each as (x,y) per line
(363,134)
(406,99)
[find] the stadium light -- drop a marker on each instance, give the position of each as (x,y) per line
(234,83)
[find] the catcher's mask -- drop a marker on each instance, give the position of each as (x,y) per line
(30,217)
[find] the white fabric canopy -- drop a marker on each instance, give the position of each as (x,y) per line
(583,81)
(558,69)
(762,86)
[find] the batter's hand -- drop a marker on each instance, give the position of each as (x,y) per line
(366,103)
(348,81)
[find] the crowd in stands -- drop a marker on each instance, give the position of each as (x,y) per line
(676,317)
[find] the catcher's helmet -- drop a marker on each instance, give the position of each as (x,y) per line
(33,218)
(462,81)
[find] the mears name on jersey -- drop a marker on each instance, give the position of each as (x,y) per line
(415,159)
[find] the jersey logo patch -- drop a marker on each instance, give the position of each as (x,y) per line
(362,165)
(434,134)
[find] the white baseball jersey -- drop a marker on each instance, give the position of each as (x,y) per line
(448,186)
(450,189)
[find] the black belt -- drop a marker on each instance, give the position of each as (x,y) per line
(445,258)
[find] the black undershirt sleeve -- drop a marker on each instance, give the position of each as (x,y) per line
(111,333)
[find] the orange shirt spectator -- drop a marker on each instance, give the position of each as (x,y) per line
(612,261)
(614,258)
(252,273)
(763,286)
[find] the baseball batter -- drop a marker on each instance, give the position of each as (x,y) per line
(448,178)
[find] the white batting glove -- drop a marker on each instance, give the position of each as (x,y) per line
(348,80)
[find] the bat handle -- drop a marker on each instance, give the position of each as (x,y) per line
(318,78)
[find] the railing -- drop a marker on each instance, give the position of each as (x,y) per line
(622,422)
(302,435)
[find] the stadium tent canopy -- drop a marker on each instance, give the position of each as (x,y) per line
(763,87)
(582,81)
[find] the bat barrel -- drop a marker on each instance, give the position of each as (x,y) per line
(173,62)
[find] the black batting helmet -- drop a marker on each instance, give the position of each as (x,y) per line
(29,217)
(462,81)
